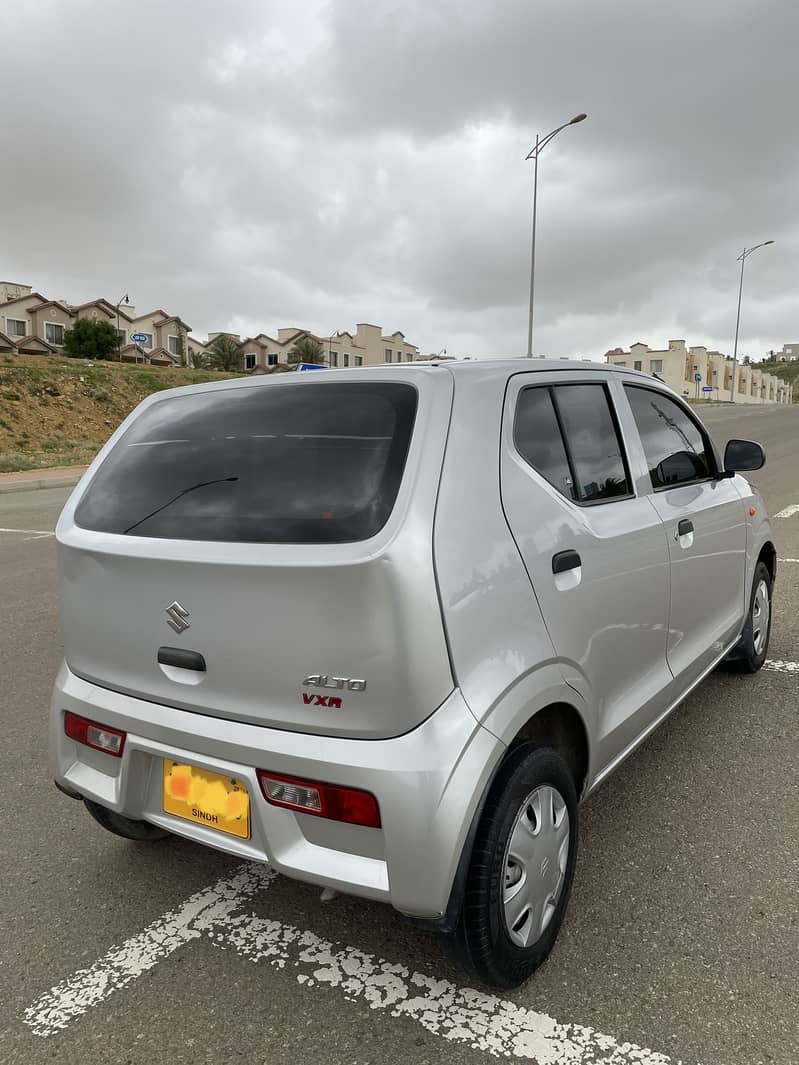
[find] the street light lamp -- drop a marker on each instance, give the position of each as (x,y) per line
(535,151)
(741,259)
(122,299)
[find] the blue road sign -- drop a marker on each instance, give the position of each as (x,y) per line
(707,388)
(697,377)
(139,338)
(311,366)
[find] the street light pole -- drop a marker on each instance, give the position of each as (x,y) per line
(742,260)
(121,300)
(540,144)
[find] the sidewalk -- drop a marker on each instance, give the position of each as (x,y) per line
(30,480)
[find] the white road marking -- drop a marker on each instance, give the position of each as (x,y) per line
(31,534)
(778,665)
(788,512)
(780,560)
(457,1014)
(121,965)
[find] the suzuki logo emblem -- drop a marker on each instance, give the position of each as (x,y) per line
(176,617)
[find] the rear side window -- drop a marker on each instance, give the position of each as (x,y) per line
(676,450)
(539,441)
(568,434)
(310,463)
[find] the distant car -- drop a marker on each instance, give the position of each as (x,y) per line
(385,630)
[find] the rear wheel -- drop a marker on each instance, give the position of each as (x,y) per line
(750,652)
(142,831)
(521,870)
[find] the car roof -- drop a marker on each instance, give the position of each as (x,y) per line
(499,369)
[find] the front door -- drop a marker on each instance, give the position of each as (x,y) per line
(705,528)
(595,552)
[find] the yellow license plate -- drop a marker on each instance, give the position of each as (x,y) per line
(206,798)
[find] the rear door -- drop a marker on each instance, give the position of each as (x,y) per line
(705,529)
(258,552)
(596,554)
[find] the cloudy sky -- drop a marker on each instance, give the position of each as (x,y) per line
(252,165)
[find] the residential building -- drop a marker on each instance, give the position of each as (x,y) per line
(789,353)
(367,346)
(30,324)
(688,370)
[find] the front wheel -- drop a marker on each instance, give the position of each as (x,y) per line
(750,652)
(521,870)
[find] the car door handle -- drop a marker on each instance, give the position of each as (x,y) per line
(685,526)
(180,657)
(563,561)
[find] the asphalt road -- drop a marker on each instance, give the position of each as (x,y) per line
(681,935)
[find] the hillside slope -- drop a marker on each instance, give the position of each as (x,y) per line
(58,412)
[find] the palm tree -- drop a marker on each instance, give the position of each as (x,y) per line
(308,349)
(224,353)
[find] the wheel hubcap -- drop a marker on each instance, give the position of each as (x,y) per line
(535,864)
(761,611)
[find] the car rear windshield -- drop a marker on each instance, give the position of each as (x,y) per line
(271,463)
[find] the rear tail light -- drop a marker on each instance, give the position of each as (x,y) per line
(336,803)
(100,737)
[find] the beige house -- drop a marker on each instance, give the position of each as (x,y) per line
(690,370)
(32,324)
(789,353)
(367,346)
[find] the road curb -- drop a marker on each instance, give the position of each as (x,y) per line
(33,486)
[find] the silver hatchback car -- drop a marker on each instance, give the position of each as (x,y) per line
(384,629)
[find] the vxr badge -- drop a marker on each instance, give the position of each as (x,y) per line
(176,617)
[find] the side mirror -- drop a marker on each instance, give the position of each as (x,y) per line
(740,456)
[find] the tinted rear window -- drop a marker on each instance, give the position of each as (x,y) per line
(304,463)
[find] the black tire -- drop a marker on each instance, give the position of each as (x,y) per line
(745,658)
(141,831)
(482,942)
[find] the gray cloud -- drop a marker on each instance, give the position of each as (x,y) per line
(260,164)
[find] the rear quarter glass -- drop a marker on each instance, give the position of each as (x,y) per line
(295,464)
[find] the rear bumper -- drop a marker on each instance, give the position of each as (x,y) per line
(428,784)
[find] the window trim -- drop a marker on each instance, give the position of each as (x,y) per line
(25,323)
(250,355)
(710,450)
(55,325)
(551,387)
(172,336)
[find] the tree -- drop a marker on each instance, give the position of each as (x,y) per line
(307,350)
(224,353)
(90,339)
(201,361)
(181,328)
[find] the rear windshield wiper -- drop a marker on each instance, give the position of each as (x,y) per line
(174,499)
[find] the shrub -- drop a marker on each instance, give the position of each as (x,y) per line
(51,443)
(100,395)
(11,395)
(12,461)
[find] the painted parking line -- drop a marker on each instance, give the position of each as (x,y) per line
(29,534)
(789,511)
(456,1014)
(779,665)
(121,965)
